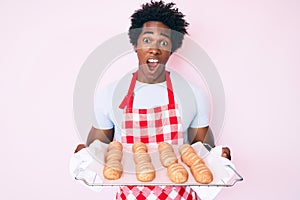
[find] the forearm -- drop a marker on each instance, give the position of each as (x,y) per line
(105,136)
(203,135)
(209,138)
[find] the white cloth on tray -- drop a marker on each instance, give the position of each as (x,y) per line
(80,162)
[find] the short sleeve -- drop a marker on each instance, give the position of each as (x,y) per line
(202,116)
(103,107)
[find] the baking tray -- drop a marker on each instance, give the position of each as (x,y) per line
(224,172)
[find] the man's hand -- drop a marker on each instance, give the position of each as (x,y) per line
(79,147)
(226,153)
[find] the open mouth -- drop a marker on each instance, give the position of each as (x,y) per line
(152,63)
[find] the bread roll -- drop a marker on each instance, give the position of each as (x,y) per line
(145,171)
(139,147)
(188,155)
(184,147)
(164,145)
(115,144)
(177,173)
(114,154)
(190,158)
(201,173)
(141,157)
(113,168)
(199,170)
(167,157)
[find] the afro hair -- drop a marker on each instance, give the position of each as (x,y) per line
(162,12)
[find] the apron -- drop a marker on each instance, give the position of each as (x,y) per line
(153,125)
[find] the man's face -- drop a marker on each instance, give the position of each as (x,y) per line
(153,50)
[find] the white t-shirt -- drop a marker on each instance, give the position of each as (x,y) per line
(192,102)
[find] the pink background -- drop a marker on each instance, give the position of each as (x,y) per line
(254,44)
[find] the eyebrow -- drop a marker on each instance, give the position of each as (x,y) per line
(150,32)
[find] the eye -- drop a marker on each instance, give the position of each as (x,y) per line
(146,40)
(164,43)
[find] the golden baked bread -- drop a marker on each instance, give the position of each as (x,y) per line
(113,168)
(184,147)
(190,158)
(139,147)
(188,155)
(114,154)
(141,157)
(145,171)
(115,144)
(201,173)
(167,156)
(164,145)
(177,173)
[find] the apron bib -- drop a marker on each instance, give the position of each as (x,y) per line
(152,125)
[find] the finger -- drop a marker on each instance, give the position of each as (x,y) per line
(226,155)
(226,149)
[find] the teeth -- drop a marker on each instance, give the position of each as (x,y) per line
(152,60)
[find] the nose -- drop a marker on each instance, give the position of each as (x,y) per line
(155,50)
(154,47)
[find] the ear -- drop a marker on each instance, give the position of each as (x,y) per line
(135,49)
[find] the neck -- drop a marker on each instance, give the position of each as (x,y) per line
(149,80)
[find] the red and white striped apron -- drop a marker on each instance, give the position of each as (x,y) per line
(153,125)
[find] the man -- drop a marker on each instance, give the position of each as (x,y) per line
(151,112)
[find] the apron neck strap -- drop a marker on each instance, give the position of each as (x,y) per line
(170,89)
(128,99)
